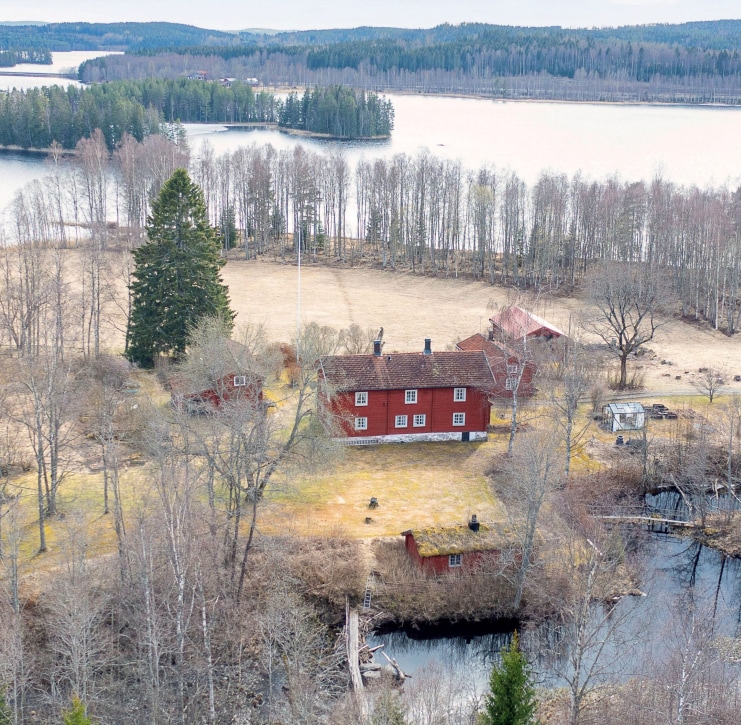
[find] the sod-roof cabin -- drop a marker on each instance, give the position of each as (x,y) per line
(442,549)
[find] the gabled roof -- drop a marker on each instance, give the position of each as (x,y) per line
(445,540)
(402,371)
(625,408)
(517,323)
(491,348)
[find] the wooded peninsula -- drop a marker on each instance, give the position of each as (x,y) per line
(37,117)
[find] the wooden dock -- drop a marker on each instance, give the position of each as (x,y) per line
(649,520)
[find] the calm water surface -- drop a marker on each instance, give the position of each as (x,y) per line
(61,63)
(687,145)
(647,634)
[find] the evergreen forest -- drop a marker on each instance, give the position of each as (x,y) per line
(688,63)
(37,117)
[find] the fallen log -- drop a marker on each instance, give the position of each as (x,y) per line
(400,674)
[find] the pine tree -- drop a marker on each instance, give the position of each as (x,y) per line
(177,279)
(511,700)
(76,714)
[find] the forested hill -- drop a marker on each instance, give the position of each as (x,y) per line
(108,36)
(687,63)
(136,37)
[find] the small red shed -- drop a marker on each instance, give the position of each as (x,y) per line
(510,371)
(448,549)
(227,375)
(406,397)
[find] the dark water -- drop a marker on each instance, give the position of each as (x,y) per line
(681,580)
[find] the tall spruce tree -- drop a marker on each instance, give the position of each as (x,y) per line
(177,279)
(511,699)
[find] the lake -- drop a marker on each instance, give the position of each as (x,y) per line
(685,144)
(61,63)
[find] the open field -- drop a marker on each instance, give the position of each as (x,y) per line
(410,308)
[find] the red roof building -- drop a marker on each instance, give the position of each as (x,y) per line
(405,397)
(514,324)
(510,371)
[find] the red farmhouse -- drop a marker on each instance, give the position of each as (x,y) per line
(514,324)
(509,370)
(443,549)
(405,397)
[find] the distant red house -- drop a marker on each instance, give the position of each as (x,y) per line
(447,549)
(228,376)
(509,369)
(405,397)
(514,324)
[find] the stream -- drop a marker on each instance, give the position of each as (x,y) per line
(684,583)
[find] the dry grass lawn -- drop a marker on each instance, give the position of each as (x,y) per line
(410,308)
(416,485)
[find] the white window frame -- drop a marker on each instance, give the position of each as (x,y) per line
(361,398)
(419,420)
(513,369)
(401,421)
(459,419)
(240,381)
(410,397)
(361,423)
(459,395)
(510,384)
(455,560)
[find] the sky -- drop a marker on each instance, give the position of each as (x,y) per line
(314,14)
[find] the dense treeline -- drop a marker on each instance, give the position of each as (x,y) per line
(9,58)
(435,217)
(338,111)
(36,117)
(107,36)
(694,62)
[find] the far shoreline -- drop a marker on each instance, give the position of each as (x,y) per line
(501,99)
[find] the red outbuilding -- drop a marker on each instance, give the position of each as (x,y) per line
(514,324)
(227,375)
(448,549)
(511,372)
(405,397)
